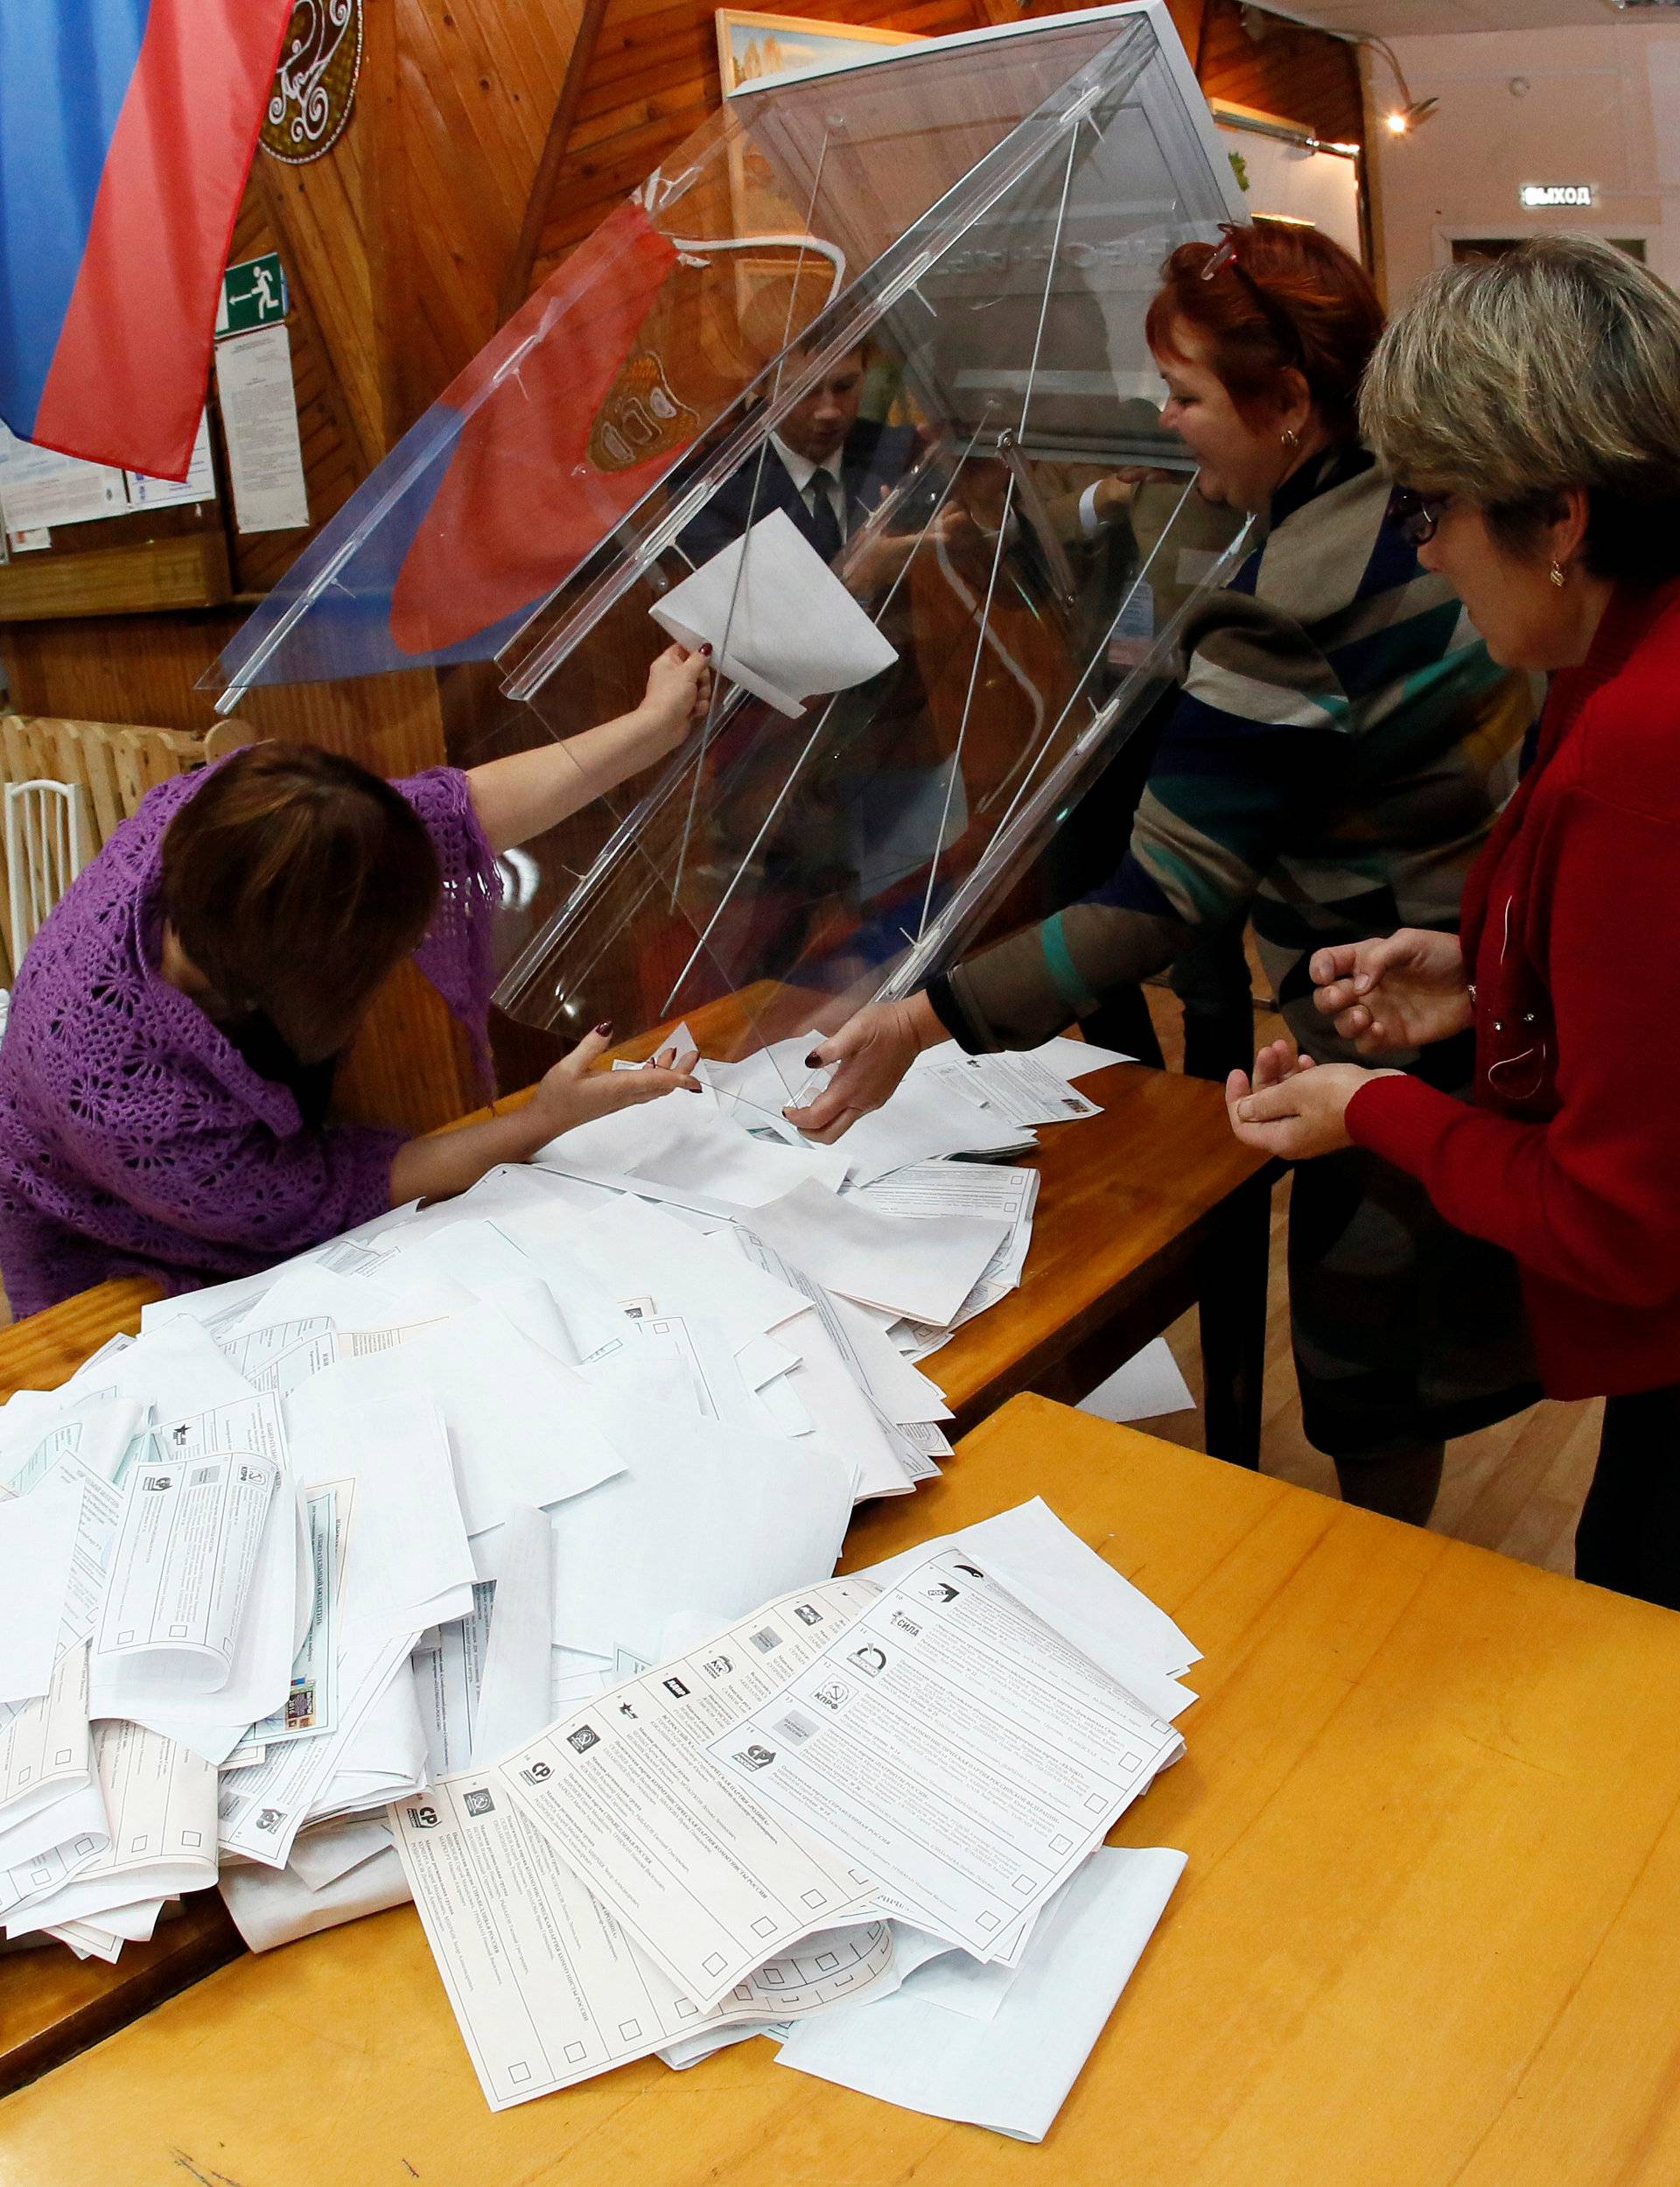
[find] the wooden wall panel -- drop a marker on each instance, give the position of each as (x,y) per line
(1302,74)
(477,85)
(649,79)
(645,76)
(145,669)
(340,437)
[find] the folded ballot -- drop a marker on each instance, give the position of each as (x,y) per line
(930,2048)
(777,618)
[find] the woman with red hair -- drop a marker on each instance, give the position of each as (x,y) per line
(1338,751)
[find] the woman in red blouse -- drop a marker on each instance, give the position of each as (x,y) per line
(1532,405)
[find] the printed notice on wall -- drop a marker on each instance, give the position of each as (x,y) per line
(259,421)
(40,488)
(200,483)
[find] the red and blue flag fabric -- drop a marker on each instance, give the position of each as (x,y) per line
(127,132)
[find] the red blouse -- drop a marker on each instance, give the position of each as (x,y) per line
(1568,1152)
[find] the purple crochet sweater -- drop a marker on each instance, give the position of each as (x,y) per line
(133,1137)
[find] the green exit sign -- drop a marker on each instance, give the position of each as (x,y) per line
(253,294)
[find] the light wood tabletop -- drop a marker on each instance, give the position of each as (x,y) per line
(1426,1935)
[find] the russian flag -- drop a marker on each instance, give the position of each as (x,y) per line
(127,131)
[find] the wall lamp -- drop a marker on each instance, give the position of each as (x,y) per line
(1411,114)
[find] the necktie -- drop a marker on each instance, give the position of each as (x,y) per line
(825,525)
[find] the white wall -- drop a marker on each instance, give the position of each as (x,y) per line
(1602,106)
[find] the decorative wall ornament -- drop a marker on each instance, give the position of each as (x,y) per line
(315,84)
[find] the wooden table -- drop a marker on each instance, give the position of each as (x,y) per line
(1145,1211)
(1427,1934)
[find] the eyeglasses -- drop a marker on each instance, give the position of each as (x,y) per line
(1418,516)
(1287,334)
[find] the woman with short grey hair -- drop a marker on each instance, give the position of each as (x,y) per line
(1531,405)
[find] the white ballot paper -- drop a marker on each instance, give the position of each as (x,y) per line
(312,1706)
(687,1146)
(1018,1088)
(513,1703)
(777,618)
(522,1424)
(1011,2072)
(161,1803)
(38,1544)
(274,1906)
(925,1268)
(1045,1565)
(449,1677)
(547,1987)
(46,1762)
(710,1515)
(706,1881)
(195,1542)
(955,1746)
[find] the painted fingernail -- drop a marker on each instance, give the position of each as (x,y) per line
(812,1061)
(705,652)
(605,1027)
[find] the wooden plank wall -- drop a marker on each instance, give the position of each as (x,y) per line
(644,74)
(1302,74)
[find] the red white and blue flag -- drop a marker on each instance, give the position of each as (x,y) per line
(127,132)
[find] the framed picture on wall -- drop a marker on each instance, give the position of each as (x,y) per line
(749,46)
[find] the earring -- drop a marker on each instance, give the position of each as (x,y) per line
(1559,576)
(1290,439)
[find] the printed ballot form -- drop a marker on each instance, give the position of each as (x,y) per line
(933,1748)
(185,1552)
(546,1986)
(161,1840)
(46,1756)
(705,1880)
(954,1745)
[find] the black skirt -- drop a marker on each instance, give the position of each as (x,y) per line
(1406,1331)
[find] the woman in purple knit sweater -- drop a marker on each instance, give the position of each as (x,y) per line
(168,1061)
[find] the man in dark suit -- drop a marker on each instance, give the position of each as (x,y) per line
(825,467)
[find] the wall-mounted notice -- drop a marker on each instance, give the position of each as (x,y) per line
(259,421)
(40,488)
(200,483)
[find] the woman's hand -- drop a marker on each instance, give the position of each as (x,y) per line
(1403,991)
(679,690)
(1293,1107)
(527,792)
(574,1093)
(873,1050)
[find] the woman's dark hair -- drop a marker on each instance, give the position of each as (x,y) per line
(1279,295)
(295,881)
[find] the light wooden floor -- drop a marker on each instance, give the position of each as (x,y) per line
(1515,1488)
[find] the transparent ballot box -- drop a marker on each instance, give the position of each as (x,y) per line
(958,241)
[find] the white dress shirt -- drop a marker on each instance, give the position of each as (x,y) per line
(803,473)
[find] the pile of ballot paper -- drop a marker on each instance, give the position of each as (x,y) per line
(483,1555)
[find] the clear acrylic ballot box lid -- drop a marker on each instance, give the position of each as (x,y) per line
(907,703)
